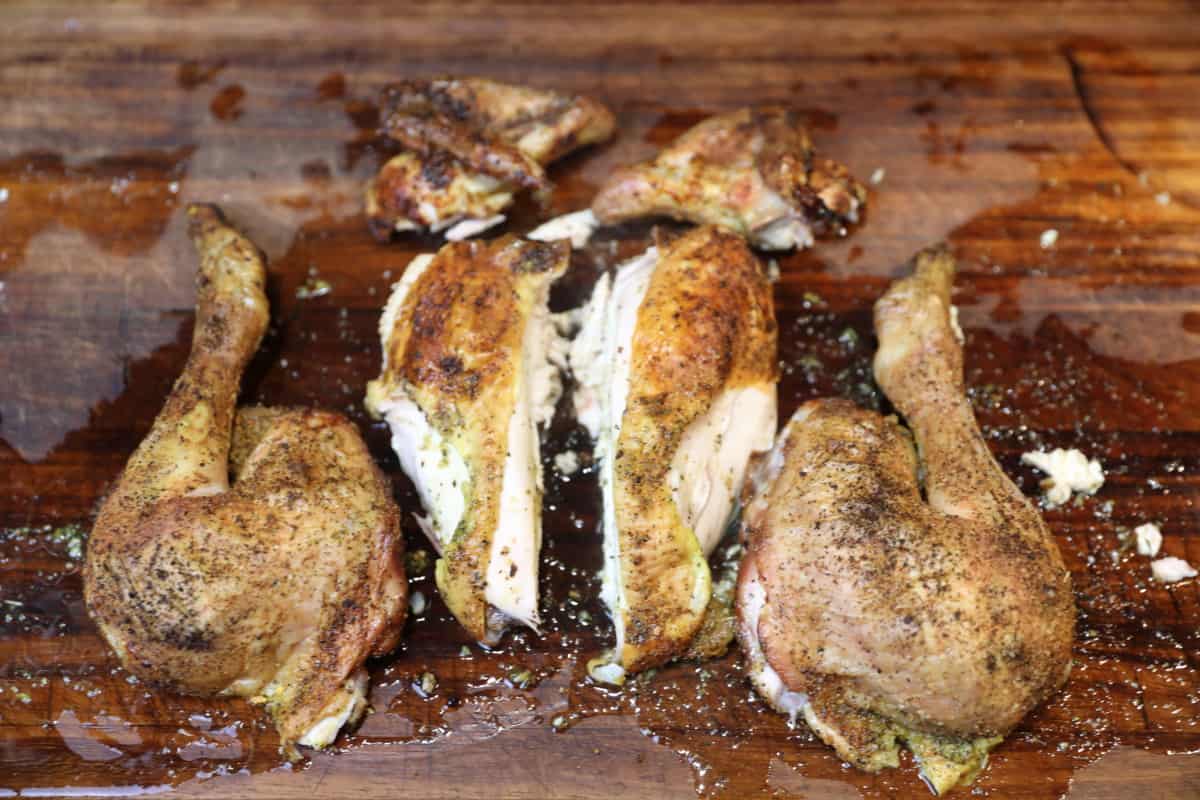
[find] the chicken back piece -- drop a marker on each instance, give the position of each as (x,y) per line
(676,370)
(882,616)
(277,587)
(471,145)
(471,361)
(754,171)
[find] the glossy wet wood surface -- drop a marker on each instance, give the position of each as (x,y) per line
(985,125)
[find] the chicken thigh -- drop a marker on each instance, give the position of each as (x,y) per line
(471,360)
(900,590)
(675,365)
(276,587)
(471,145)
(753,171)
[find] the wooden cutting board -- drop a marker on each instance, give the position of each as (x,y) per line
(987,125)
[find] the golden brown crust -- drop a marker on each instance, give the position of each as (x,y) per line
(716,632)
(456,348)
(293,575)
(951,614)
(411,191)
(472,143)
(542,125)
(742,170)
(846,531)
(706,324)
(446,115)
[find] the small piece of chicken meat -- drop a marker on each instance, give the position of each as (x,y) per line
(899,592)
(676,372)
(471,359)
(277,587)
(753,171)
(471,145)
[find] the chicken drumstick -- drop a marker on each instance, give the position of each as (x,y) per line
(276,587)
(880,615)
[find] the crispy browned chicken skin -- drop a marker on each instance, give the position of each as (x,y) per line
(676,372)
(878,613)
(276,587)
(754,171)
(471,145)
(468,375)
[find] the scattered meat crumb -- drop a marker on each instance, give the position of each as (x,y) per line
(566,462)
(1069,471)
(1149,539)
(1171,570)
(602,670)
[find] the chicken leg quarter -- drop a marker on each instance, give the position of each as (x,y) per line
(276,587)
(881,615)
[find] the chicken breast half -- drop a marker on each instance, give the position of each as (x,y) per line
(753,171)
(676,371)
(471,145)
(471,362)
(897,586)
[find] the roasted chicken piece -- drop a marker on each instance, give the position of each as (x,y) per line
(277,587)
(471,359)
(676,372)
(900,590)
(471,145)
(753,171)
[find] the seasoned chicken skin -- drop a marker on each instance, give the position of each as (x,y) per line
(471,368)
(471,145)
(676,370)
(879,613)
(276,587)
(753,171)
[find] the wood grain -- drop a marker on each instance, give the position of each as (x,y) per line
(989,122)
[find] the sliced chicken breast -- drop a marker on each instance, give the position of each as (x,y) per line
(675,365)
(470,370)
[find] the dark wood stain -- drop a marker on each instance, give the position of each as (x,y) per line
(332,86)
(986,130)
(195,73)
(226,104)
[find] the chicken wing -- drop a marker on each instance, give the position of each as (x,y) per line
(471,362)
(471,145)
(893,592)
(277,587)
(753,171)
(676,373)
